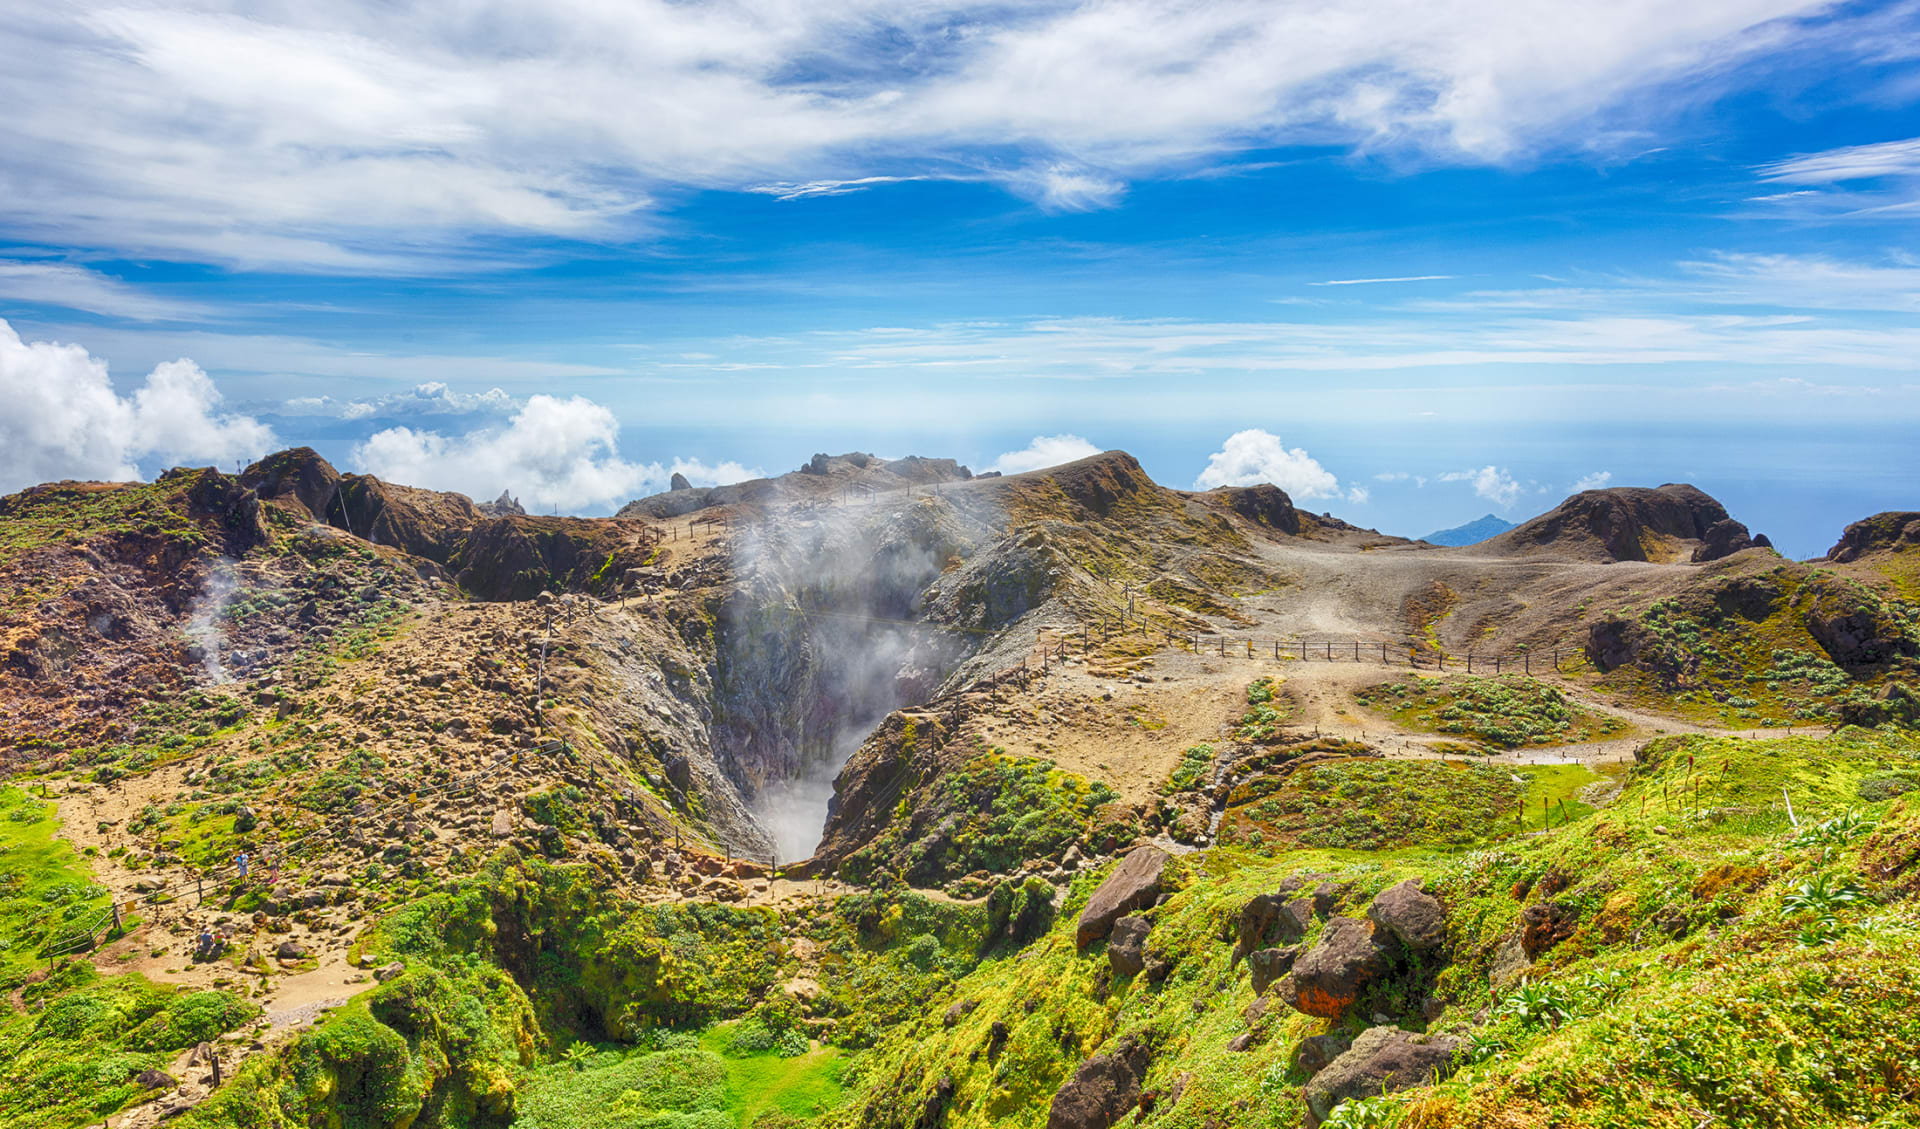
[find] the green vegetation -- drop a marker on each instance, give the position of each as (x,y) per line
(1372,805)
(1671,991)
(1196,764)
(45,889)
(1744,651)
(1503,712)
(76,1056)
(991,813)
(1266,712)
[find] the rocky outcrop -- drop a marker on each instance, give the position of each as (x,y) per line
(1133,885)
(1269,965)
(1382,1060)
(1672,522)
(1103,1090)
(1416,918)
(1264,504)
(1267,918)
(1316,1052)
(1127,945)
(506,505)
(1613,643)
(1894,531)
(1344,961)
(678,482)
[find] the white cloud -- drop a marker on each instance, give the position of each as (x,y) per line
(433,398)
(1489,482)
(1255,456)
(1359,495)
(724,473)
(63,418)
(1044,451)
(1401,476)
(1371,281)
(1596,481)
(1854,162)
(77,288)
(367,136)
(552,453)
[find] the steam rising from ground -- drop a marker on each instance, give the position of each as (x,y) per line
(203,620)
(825,643)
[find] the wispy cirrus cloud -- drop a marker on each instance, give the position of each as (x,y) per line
(67,286)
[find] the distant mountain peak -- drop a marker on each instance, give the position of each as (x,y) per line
(1472,533)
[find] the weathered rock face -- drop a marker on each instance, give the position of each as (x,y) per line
(1860,636)
(1105,1089)
(1331,976)
(1630,524)
(1133,885)
(1887,532)
(1315,1052)
(1271,917)
(1416,918)
(1382,1060)
(1127,946)
(1725,538)
(1269,965)
(1264,504)
(679,482)
(1615,643)
(1545,925)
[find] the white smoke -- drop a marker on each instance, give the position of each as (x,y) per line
(851,582)
(203,628)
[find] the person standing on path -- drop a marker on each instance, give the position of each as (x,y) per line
(240,862)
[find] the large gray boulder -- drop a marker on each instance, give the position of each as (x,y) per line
(1105,1089)
(1383,1060)
(1132,886)
(1330,977)
(1416,918)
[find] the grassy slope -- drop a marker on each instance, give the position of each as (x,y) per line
(1503,712)
(1722,1009)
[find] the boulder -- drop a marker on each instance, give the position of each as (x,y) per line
(387,972)
(1415,917)
(291,950)
(1383,1060)
(1315,1052)
(1269,965)
(1329,978)
(1132,886)
(1268,918)
(1546,924)
(1105,1089)
(155,1080)
(959,1011)
(1126,947)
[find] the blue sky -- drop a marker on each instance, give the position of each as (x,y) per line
(1414,261)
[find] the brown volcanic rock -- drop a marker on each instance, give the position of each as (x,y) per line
(1133,885)
(1628,523)
(1264,504)
(1105,1089)
(1383,1060)
(1894,531)
(1330,977)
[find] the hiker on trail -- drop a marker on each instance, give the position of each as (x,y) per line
(273,869)
(240,861)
